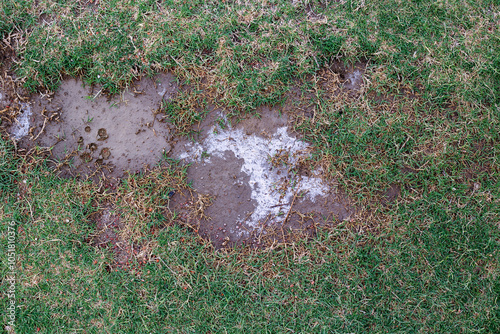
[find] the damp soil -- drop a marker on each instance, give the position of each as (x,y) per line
(89,132)
(339,78)
(258,173)
(254,176)
(108,225)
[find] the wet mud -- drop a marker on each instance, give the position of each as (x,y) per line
(88,131)
(255,174)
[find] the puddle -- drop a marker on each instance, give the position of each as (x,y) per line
(265,180)
(258,175)
(254,177)
(87,130)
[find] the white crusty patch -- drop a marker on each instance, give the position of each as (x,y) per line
(355,78)
(256,152)
(22,126)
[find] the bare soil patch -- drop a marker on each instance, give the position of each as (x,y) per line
(339,78)
(253,179)
(126,254)
(92,133)
(108,224)
(261,179)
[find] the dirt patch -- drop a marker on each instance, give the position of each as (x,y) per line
(339,78)
(253,178)
(391,195)
(90,132)
(258,174)
(107,225)
(126,255)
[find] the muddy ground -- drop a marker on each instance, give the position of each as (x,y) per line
(260,179)
(90,133)
(255,174)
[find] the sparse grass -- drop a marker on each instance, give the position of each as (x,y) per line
(426,122)
(186,110)
(143,201)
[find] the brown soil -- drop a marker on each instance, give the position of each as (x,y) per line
(222,176)
(92,133)
(108,225)
(339,79)
(94,136)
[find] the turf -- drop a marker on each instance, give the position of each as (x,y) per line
(426,123)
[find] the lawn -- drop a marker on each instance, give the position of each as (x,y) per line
(425,127)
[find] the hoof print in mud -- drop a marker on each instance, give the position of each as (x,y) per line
(86,157)
(105,153)
(92,147)
(102,134)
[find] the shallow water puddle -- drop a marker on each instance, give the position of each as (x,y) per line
(260,178)
(88,130)
(272,187)
(256,173)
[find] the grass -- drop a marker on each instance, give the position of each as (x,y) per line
(249,54)
(184,111)
(434,270)
(425,122)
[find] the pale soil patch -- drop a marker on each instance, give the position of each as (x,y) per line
(89,131)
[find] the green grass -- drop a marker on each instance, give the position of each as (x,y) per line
(183,111)
(427,122)
(251,53)
(433,269)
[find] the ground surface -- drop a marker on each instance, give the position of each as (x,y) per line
(352,145)
(259,178)
(255,173)
(88,132)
